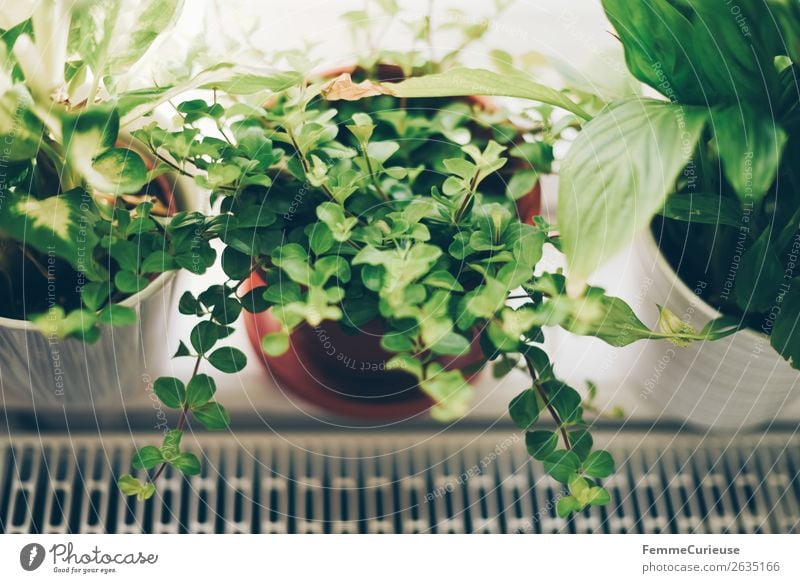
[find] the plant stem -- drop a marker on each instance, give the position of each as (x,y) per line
(372,175)
(183,172)
(553,413)
(39,267)
(325,189)
(182,420)
(473,185)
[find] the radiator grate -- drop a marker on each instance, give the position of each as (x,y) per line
(401,482)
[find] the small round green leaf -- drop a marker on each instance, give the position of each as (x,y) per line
(200,390)
(228,359)
(129,283)
(129,485)
(581,443)
(598,496)
(158,262)
(122,168)
(396,342)
(565,399)
(541,444)
(561,465)
(235,264)
(146,491)
(567,505)
(147,457)
(170,391)
(524,409)
(254,302)
(599,464)
(187,463)
(212,416)
(94,294)
(275,344)
(189,305)
(203,336)
(116,315)
(451,344)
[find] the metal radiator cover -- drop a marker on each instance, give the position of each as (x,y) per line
(455,482)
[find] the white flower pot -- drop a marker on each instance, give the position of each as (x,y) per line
(39,372)
(734,383)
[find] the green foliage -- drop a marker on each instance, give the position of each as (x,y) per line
(716,159)
(405,217)
(617,175)
(403,209)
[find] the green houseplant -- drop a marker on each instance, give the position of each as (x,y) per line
(712,160)
(381,211)
(709,169)
(85,218)
(92,227)
(737,124)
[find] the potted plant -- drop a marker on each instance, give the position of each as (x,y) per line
(366,237)
(706,177)
(425,132)
(708,167)
(92,225)
(86,214)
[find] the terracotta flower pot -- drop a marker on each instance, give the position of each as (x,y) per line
(346,374)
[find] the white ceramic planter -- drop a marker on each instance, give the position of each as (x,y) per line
(734,383)
(38,372)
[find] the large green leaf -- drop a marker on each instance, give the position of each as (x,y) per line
(607,318)
(696,53)
(709,209)
(750,145)
(785,337)
(244,82)
(62,225)
(785,15)
(616,176)
(734,62)
(111,36)
(759,276)
(119,170)
(223,76)
(458,82)
(656,36)
(89,139)
(20,130)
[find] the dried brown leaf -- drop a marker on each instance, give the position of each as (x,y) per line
(343,88)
